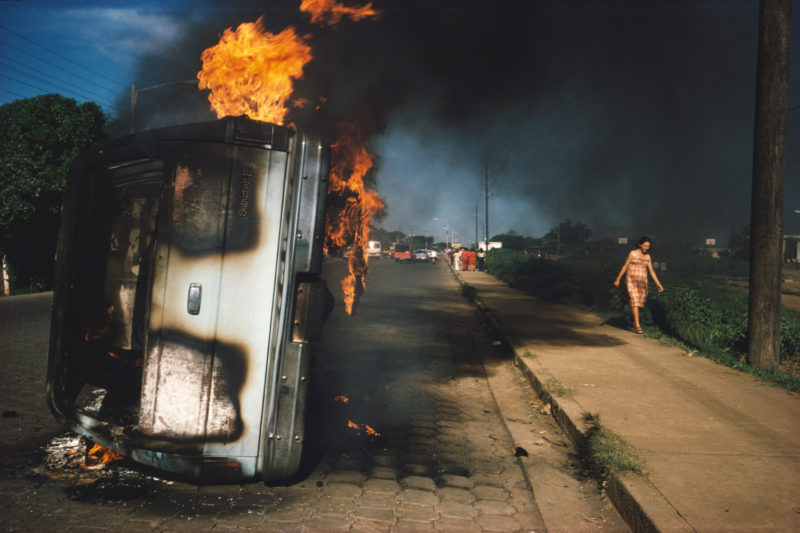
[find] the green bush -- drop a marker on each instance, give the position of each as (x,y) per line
(505,264)
(703,266)
(702,322)
(576,282)
(713,318)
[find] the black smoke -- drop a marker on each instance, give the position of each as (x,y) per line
(631,116)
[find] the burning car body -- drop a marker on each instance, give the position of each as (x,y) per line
(187,294)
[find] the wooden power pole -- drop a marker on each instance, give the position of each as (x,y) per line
(769,160)
(486,189)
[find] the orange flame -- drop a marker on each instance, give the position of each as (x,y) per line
(251,72)
(331,12)
(342,399)
(371,432)
(99,455)
(350,162)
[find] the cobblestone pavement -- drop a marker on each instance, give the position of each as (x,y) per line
(402,367)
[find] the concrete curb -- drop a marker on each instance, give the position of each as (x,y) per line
(640,503)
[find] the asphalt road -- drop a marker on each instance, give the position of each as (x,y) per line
(410,365)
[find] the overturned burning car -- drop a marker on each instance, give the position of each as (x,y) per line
(187,293)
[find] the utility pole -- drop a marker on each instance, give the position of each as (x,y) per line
(135,94)
(476,226)
(486,192)
(769,160)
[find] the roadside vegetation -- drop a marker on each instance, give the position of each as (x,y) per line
(703,308)
(40,137)
(603,452)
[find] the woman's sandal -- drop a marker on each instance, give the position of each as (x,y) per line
(638,331)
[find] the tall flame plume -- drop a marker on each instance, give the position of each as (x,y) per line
(251,71)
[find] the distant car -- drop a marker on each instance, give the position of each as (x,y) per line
(421,256)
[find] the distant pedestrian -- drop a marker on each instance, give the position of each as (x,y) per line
(636,267)
(464,259)
(473,257)
(457,260)
(481,258)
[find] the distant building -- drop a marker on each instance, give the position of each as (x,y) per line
(492,245)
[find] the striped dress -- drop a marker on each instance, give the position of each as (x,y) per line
(636,279)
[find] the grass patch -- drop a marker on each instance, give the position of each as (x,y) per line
(732,360)
(604,452)
(553,386)
(591,417)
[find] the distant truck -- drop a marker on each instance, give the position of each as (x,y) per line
(374,249)
(402,252)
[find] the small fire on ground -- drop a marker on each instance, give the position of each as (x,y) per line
(363,427)
(98,457)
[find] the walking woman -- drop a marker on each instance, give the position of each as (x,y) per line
(637,266)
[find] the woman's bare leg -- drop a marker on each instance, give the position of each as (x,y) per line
(635,311)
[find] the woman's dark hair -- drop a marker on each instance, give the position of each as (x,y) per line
(644,240)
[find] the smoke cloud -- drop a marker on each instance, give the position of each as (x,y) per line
(632,117)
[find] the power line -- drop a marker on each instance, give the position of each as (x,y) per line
(58,54)
(113,91)
(44,89)
(54,88)
(25,83)
(100,98)
(12,92)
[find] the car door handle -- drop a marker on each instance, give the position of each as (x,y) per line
(194,298)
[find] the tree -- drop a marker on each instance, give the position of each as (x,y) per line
(40,137)
(385,237)
(568,232)
(419,242)
(511,240)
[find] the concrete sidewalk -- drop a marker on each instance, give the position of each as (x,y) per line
(721,449)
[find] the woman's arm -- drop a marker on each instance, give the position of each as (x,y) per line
(624,269)
(653,273)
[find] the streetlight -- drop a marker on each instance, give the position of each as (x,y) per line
(447,229)
(135,93)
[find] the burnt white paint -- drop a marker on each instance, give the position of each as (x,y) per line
(239,220)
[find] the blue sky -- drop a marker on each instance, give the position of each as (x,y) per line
(631,125)
(83,50)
